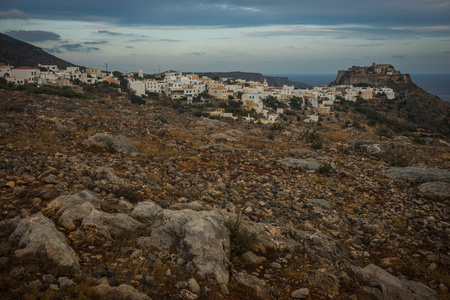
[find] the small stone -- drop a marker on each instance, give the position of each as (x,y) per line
(35,284)
(49,278)
(443,288)
(275,265)
(65,283)
(194,287)
(11,184)
(300,293)
(251,258)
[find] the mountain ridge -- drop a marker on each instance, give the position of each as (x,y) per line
(20,54)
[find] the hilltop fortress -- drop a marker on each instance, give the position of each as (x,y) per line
(375,75)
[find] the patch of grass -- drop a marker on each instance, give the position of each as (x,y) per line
(398,160)
(317,145)
(400,223)
(325,170)
(241,238)
(129,192)
(79,292)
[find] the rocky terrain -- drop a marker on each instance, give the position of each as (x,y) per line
(412,106)
(101,199)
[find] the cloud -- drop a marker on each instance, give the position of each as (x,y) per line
(13,14)
(129,47)
(112,33)
(53,50)
(33,35)
(169,40)
(96,43)
(398,56)
(78,48)
(198,53)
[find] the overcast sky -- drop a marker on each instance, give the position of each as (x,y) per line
(270,37)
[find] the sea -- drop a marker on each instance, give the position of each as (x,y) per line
(435,84)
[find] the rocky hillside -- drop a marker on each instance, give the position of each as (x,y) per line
(258,77)
(143,202)
(413,106)
(19,54)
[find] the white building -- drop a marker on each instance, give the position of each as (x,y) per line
(137,86)
(25,75)
(6,71)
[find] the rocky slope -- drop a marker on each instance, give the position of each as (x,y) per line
(413,106)
(19,54)
(106,199)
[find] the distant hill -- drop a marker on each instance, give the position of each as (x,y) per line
(248,76)
(19,54)
(412,106)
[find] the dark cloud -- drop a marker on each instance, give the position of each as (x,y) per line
(112,33)
(96,43)
(78,48)
(198,53)
(129,47)
(54,50)
(13,14)
(241,13)
(169,40)
(33,35)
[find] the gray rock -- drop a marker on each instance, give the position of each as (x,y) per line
(418,174)
(146,212)
(322,203)
(300,293)
(201,237)
(223,136)
(254,283)
(193,286)
(122,291)
(440,188)
(382,285)
(194,205)
(251,258)
(308,164)
(118,143)
(369,147)
(102,226)
(210,123)
(65,283)
(38,238)
(217,147)
(86,196)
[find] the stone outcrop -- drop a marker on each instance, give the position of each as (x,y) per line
(38,239)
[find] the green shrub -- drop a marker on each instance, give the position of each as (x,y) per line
(325,169)
(398,160)
(241,237)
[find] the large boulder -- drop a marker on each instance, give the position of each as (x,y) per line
(439,188)
(378,284)
(39,239)
(200,237)
(417,174)
(118,143)
(82,211)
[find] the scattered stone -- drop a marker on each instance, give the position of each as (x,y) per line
(308,164)
(118,143)
(254,283)
(439,189)
(419,174)
(302,293)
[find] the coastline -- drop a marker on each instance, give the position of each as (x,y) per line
(435,84)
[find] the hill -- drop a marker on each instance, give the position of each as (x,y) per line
(19,54)
(150,202)
(249,76)
(413,106)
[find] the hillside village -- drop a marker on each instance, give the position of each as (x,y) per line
(258,100)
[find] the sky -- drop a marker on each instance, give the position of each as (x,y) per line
(269,37)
